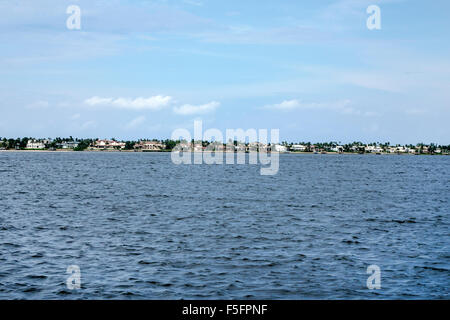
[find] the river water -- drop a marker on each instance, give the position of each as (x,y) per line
(140,227)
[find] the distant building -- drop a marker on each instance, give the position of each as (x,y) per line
(149,145)
(278,148)
(392,149)
(373,149)
(183,146)
(198,148)
(108,145)
(35,144)
(339,149)
(298,147)
(67,145)
(240,147)
(213,146)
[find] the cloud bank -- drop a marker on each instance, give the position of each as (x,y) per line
(151,103)
(188,109)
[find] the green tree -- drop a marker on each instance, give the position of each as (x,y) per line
(129,145)
(83,145)
(170,144)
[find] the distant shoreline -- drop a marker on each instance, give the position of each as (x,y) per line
(167,151)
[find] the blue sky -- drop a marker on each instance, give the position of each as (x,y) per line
(140,69)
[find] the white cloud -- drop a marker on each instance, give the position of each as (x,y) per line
(189,109)
(135,122)
(140,103)
(287,105)
(75,116)
(297,104)
(97,101)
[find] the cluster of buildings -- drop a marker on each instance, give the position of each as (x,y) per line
(239,147)
(42,144)
(37,144)
(141,145)
(401,149)
(149,146)
(199,146)
(107,145)
(102,144)
(358,148)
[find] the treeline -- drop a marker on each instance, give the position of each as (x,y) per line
(83,144)
(358,145)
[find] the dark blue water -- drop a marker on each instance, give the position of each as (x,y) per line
(140,227)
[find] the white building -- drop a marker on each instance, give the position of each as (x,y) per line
(373,149)
(239,148)
(68,145)
(298,147)
(149,145)
(399,149)
(257,146)
(34,144)
(198,147)
(338,149)
(278,148)
(108,144)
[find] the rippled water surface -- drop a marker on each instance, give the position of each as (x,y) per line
(140,227)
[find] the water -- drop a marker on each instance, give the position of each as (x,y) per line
(140,227)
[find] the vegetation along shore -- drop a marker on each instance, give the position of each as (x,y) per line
(155,145)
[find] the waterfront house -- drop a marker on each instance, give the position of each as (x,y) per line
(278,148)
(252,146)
(338,149)
(198,148)
(298,147)
(183,146)
(215,146)
(108,145)
(399,149)
(149,146)
(373,149)
(35,144)
(240,147)
(256,146)
(67,145)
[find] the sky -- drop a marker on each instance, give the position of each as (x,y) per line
(141,69)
